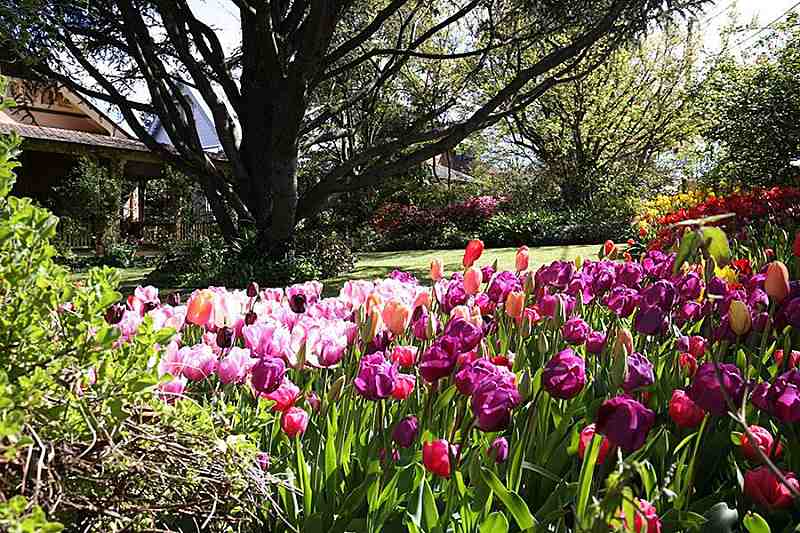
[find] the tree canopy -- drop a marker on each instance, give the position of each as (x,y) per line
(374,86)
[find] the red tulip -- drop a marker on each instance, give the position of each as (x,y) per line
(403,386)
(794,358)
(294,422)
(586,438)
(764,488)
(201,304)
(522,258)
(436,457)
(763,440)
(683,411)
(646,515)
(688,363)
(473,252)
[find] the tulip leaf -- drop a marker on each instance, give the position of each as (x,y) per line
(305,479)
(689,245)
(586,476)
(444,400)
(754,523)
(718,246)
(495,523)
(513,502)
(429,511)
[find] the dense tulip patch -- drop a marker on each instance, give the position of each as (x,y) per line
(587,395)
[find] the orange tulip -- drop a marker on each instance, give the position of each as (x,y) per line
(396,315)
(623,345)
(423,298)
(473,252)
(515,304)
(777,283)
(437,269)
(473,278)
(201,304)
(522,258)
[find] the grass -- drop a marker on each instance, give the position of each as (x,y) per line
(379,264)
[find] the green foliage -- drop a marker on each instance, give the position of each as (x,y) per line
(752,112)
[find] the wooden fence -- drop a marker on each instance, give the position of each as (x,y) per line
(152,235)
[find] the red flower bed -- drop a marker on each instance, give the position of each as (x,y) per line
(749,207)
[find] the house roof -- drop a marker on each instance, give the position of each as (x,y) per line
(206,130)
(72,136)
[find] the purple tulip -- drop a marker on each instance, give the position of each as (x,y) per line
(419,323)
(405,432)
(625,422)
(492,402)
(650,320)
(467,334)
(688,312)
(439,360)
(596,342)
(603,281)
(564,375)
(782,398)
(556,274)
(575,330)
(622,301)
(498,450)
(501,284)
(549,303)
(709,391)
(376,377)
(661,294)
(630,274)
(486,273)
(640,373)
(690,286)
(267,374)
(472,374)
(717,287)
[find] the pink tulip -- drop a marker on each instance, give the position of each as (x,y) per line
(284,396)
(234,367)
(473,278)
(294,422)
(404,356)
(403,386)
(200,362)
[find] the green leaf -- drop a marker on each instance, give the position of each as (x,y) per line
(754,523)
(688,247)
(586,475)
(513,502)
(495,523)
(429,511)
(718,246)
(303,475)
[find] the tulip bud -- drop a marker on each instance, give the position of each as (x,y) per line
(114,314)
(297,303)
(522,258)
(473,277)
(776,284)
(515,303)
(739,316)
(578,262)
(224,337)
(174,299)
(437,269)
(336,390)
(498,449)
(294,422)
(252,289)
(250,318)
(473,252)
(623,344)
(436,457)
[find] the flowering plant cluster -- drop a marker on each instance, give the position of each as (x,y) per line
(756,206)
(394,217)
(583,396)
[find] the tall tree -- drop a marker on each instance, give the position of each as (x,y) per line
(614,124)
(310,73)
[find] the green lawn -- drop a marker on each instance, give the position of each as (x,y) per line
(380,264)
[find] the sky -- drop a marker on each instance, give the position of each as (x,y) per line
(223,16)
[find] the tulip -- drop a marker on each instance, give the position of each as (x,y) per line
(522,258)
(465,332)
(564,375)
(285,396)
(492,401)
(437,269)
(313,401)
(473,252)
(404,386)
(764,441)
(596,342)
(623,345)
(174,299)
(173,388)
(234,367)
(472,280)
(625,422)
(294,422)
(252,289)
(710,392)
(113,314)
(297,303)
(439,360)
(765,489)
(777,282)
(683,411)
(436,457)
(376,377)
(501,285)
(405,432)
(794,359)
(404,356)
(639,373)
(575,330)
(498,450)
(515,304)
(586,436)
(267,375)
(200,307)
(396,315)
(739,317)
(688,363)
(200,362)
(646,518)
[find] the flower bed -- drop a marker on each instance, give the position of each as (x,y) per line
(588,395)
(778,205)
